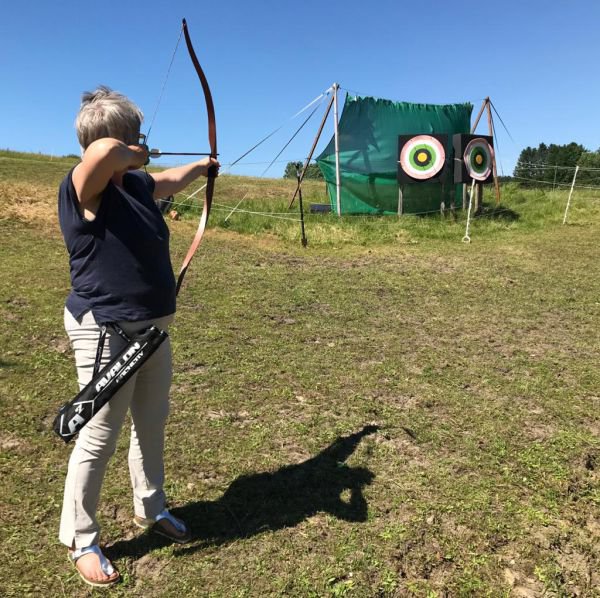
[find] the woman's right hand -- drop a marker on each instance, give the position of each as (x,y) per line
(140,156)
(104,160)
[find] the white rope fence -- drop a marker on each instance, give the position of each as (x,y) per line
(541,167)
(556,185)
(542,182)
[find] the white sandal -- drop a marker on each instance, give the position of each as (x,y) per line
(182,537)
(105,565)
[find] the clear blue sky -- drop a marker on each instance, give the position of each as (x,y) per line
(537,60)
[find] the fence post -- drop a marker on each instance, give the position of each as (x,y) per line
(570,194)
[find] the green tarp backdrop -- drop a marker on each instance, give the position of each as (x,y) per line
(368,140)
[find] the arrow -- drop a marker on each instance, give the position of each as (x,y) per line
(155,153)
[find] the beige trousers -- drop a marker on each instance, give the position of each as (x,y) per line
(146,395)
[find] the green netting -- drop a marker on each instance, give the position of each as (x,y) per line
(368,138)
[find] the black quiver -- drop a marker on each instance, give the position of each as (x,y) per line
(75,414)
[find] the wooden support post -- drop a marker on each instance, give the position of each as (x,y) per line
(478,198)
(400,199)
(476,194)
(312,150)
(302,230)
(479,115)
(494,170)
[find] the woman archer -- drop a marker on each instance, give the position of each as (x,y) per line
(118,245)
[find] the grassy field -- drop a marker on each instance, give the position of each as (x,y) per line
(388,412)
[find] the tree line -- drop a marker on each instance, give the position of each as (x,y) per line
(546,164)
(312,172)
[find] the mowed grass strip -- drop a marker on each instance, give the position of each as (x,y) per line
(413,416)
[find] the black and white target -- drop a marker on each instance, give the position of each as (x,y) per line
(422,157)
(479,159)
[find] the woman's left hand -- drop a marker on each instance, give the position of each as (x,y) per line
(207,164)
(173,180)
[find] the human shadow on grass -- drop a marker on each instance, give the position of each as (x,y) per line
(260,502)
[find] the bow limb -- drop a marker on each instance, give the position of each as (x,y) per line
(212,140)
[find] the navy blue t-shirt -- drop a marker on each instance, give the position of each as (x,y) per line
(120,263)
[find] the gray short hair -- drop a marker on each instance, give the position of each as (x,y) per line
(107,113)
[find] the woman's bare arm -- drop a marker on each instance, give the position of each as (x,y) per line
(172,181)
(103,160)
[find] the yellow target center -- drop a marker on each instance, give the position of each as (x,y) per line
(421,157)
(479,159)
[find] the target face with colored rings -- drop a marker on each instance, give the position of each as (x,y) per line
(478,158)
(422,157)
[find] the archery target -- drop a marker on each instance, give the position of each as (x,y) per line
(478,158)
(474,158)
(422,157)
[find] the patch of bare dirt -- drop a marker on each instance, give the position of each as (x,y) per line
(593,526)
(539,432)
(13,444)
(585,475)
(572,553)
(60,345)
(118,514)
(237,418)
(422,557)
(594,428)
(532,589)
(294,453)
(149,567)
(576,570)
(404,444)
(521,584)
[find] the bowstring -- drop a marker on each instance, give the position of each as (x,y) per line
(164,85)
